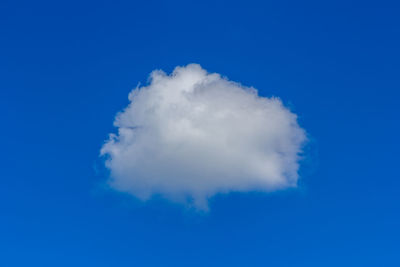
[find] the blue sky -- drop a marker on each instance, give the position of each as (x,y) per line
(67,68)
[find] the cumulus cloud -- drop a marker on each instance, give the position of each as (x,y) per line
(192,134)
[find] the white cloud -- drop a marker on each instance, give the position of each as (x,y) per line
(190,135)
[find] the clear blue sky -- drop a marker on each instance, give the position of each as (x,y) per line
(67,68)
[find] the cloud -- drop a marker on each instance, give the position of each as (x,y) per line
(191,134)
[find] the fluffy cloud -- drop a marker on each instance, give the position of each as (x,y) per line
(190,135)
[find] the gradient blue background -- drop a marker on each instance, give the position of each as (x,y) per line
(67,67)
